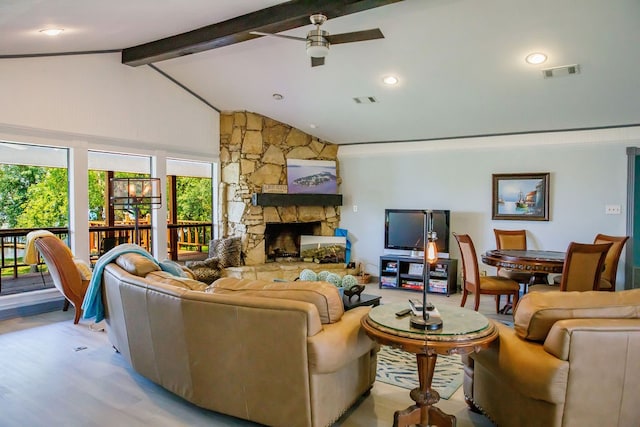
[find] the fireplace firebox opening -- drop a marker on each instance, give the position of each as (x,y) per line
(282,240)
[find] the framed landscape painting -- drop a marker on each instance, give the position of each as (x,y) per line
(312,176)
(323,249)
(521,196)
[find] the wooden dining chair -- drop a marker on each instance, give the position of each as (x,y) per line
(582,268)
(515,240)
(476,284)
(608,276)
(610,269)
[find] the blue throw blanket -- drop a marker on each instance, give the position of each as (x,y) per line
(92,304)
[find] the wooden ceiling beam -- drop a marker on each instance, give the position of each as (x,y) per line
(275,19)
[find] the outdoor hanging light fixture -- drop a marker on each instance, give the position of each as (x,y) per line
(132,193)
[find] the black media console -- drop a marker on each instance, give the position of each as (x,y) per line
(402,272)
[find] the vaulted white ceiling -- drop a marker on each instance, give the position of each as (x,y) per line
(460,63)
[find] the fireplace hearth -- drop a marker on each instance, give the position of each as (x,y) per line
(282,240)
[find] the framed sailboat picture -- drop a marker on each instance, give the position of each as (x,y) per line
(521,196)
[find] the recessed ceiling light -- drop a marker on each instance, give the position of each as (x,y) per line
(277,96)
(390,80)
(536,58)
(313,125)
(52,31)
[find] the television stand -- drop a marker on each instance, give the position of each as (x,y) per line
(403,272)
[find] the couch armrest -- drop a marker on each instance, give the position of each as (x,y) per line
(339,343)
(558,342)
(526,366)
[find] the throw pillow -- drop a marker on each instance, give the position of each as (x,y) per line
(228,251)
(207,263)
(137,264)
(206,271)
(83,268)
(173,268)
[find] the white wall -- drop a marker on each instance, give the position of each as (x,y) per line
(96,97)
(93,102)
(588,171)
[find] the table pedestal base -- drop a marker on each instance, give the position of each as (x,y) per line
(413,416)
(423,413)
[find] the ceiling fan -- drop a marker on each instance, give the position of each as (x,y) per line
(318,41)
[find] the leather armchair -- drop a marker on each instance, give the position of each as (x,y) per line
(572,359)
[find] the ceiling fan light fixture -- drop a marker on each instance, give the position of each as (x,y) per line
(317,51)
(536,58)
(317,44)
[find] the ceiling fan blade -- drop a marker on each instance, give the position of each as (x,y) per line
(317,61)
(258,33)
(356,36)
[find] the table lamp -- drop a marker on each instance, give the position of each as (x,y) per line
(430,255)
(131,193)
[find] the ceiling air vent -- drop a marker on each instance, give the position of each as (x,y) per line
(565,70)
(365,100)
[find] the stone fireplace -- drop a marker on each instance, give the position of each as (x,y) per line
(253,153)
(282,240)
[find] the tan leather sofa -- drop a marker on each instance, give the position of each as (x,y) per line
(272,353)
(571,360)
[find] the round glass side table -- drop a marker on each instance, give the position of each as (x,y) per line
(463,331)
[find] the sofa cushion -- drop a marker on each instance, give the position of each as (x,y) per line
(323,295)
(179,281)
(137,264)
(538,311)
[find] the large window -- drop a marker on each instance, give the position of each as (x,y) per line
(108,225)
(34,186)
(190,208)
(34,194)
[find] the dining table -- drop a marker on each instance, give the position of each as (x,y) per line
(539,263)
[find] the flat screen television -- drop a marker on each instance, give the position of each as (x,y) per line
(404,229)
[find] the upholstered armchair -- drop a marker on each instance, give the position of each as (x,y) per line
(572,359)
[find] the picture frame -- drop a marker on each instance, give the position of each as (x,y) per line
(520,196)
(323,249)
(312,176)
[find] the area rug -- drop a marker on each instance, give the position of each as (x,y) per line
(399,368)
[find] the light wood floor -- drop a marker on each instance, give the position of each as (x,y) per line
(55,373)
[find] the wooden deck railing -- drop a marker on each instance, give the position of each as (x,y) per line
(186,236)
(13,242)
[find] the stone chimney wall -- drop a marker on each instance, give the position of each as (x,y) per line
(253,152)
